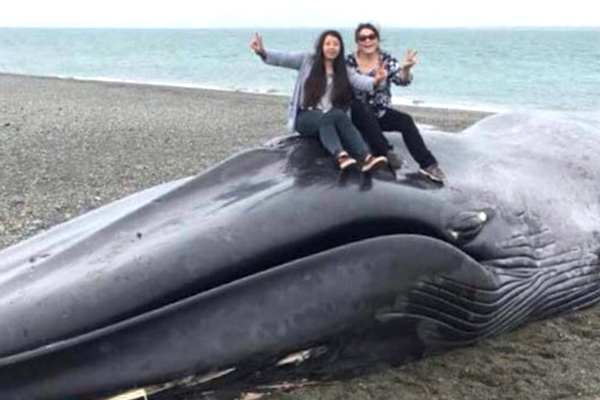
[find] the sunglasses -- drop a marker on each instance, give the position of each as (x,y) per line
(364,38)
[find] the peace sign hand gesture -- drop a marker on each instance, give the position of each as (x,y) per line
(410,59)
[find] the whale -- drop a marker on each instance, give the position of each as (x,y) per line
(274,266)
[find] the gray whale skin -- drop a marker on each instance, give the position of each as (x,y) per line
(275,252)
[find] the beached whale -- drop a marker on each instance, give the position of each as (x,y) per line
(274,265)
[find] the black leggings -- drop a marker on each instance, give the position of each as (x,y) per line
(393,120)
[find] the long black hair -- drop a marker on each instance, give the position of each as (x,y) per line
(316,82)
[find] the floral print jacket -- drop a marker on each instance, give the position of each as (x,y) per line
(380,99)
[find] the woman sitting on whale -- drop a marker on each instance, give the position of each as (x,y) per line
(322,97)
(368,59)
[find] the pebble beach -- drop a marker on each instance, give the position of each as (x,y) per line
(70,146)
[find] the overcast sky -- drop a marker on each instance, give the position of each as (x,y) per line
(296,13)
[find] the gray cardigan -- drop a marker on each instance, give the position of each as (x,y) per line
(303,63)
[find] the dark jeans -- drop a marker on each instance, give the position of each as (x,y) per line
(393,120)
(334,129)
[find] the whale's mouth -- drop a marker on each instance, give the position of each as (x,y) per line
(461,228)
(328,240)
(199,269)
(259,261)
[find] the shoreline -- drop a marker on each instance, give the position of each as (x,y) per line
(396,101)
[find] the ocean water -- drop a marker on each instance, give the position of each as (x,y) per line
(478,68)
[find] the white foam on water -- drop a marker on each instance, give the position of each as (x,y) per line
(401,101)
(270,92)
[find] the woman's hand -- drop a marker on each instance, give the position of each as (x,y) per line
(256,44)
(410,59)
(381,74)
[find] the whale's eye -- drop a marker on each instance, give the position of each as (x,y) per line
(465,225)
(482,216)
